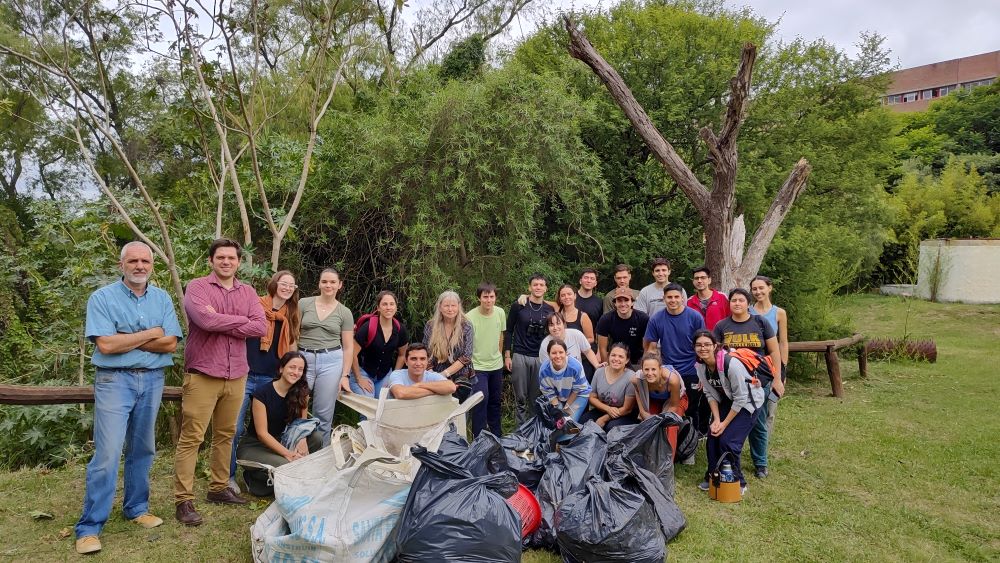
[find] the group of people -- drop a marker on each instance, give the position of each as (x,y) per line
(253,364)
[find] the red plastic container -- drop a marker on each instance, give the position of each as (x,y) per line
(525,503)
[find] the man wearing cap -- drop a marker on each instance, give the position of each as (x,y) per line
(135,329)
(622,277)
(623,325)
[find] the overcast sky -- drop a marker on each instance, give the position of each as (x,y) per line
(917,32)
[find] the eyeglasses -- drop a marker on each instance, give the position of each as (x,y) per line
(286,285)
(704,345)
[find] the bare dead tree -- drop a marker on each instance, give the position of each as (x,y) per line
(331,38)
(88,112)
(438,20)
(725,232)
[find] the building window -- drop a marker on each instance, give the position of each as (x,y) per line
(927,94)
(945,90)
(976,83)
(893,99)
(909,97)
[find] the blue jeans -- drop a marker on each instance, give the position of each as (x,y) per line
(254,381)
(578,406)
(125,406)
(759,434)
(487,413)
(323,375)
(356,388)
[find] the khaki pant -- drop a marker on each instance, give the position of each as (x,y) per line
(206,399)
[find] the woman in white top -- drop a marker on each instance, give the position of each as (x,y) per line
(577,345)
(326,337)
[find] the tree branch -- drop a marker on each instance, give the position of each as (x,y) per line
(762,238)
(739,99)
(580,48)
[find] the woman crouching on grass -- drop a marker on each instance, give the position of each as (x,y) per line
(281,432)
(562,382)
(732,398)
(660,389)
(612,397)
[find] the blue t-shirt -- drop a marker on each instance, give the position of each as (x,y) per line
(115,309)
(674,334)
(402,377)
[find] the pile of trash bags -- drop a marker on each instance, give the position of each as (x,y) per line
(603,496)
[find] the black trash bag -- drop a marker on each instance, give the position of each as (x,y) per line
(525,449)
(453,446)
(566,471)
(525,459)
(451,515)
(605,522)
(687,440)
(641,462)
(484,456)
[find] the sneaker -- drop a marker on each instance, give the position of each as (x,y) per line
(88,544)
(234,487)
(688,460)
(760,472)
(703,486)
(743,490)
(147,521)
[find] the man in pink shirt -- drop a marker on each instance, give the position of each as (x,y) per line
(223,313)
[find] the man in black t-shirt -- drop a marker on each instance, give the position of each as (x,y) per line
(587,300)
(526,328)
(623,325)
(591,304)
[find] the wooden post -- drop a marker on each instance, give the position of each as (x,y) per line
(863,359)
(833,369)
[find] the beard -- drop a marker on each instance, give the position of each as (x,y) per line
(137,278)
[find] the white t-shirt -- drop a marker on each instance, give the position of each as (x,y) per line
(576,342)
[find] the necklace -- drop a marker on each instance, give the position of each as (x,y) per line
(532,306)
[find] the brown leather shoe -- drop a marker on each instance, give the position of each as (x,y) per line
(187,515)
(225,496)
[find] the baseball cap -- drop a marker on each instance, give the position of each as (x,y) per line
(622,292)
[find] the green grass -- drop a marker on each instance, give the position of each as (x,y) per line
(903,469)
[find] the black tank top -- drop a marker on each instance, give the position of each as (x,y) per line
(576,324)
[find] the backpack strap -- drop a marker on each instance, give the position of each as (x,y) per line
(748,381)
(373,324)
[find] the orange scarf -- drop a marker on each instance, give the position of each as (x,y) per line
(284,339)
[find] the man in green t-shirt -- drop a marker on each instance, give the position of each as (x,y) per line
(488,323)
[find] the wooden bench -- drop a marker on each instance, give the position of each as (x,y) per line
(829,350)
(69,394)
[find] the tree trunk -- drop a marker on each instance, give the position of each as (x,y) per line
(725,234)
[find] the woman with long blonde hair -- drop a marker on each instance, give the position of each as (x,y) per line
(448,337)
